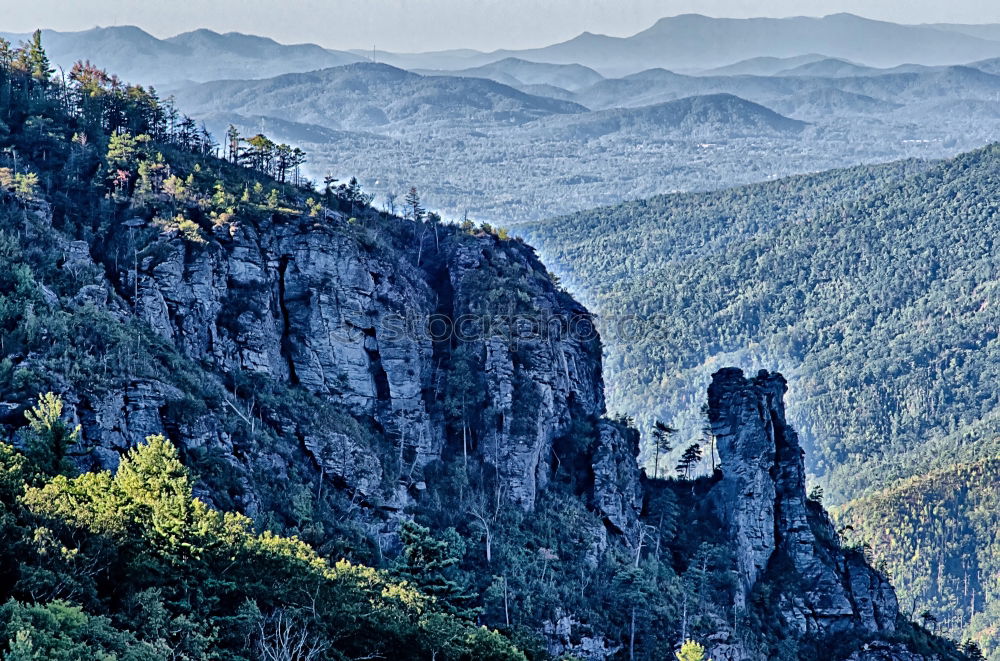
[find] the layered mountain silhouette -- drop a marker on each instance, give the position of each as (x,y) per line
(688,43)
(367,95)
(710,116)
(197,56)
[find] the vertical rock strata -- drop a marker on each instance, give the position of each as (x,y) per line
(777,533)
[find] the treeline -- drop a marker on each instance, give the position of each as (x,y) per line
(99,102)
(100,106)
(264,155)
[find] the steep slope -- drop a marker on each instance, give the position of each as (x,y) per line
(419,397)
(875,288)
(781,538)
(917,280)
(936,537)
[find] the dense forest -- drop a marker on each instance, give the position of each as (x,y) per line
(937,534)
(875,290)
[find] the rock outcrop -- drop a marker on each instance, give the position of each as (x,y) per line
(617,489)
(774,527)
(328,306)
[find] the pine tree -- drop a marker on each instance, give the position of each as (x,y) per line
(689,460)
(691,651)
(662,434)
(37,60)
(48,437)
(431,564)
(412,201)
(232,144)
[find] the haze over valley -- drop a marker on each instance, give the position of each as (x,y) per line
(516,136)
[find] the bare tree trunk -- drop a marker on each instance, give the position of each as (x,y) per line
(684,618)
(506,608)
(631,637)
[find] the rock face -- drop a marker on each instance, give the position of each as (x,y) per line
(775,529)
(617,490)
(367,327)
(471,354)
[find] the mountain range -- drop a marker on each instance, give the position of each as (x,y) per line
(223,335)
(688,43)
(254,441)
(693,42)
(456,135)
(367,95)
(198,56)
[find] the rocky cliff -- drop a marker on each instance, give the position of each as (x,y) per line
(777,533)
(473,351)
(406,365)
(331,370)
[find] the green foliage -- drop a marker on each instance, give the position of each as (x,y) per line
(691,651)
(935,536)
(60,631)
(874,290)
(147,557)
(430,564)
(107,556)
(48,438)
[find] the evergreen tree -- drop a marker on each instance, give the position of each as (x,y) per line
(232,144)
(662,434)
(37,60)
(431,564)
(691,651)
(690,459)
(48,437)
(414,210)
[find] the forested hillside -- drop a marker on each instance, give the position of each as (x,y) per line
(251,443)
(937,535)
(876,288)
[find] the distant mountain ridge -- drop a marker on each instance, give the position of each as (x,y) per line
(709,116)
(688,42)
(899,85)
(692,42)
(197,56)
(366,95)
(522,73)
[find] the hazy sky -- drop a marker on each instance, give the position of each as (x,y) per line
(417,25)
